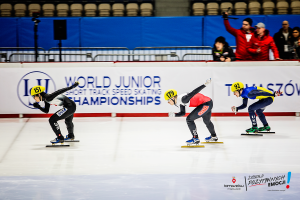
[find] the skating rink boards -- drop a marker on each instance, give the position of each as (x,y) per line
(142,158)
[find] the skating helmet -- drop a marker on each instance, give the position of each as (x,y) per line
(37,90)
(237,86)
(170,93)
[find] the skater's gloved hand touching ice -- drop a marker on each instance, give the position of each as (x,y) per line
(277,93)
(171,114)
(234,109)
(75,85)
(208,81)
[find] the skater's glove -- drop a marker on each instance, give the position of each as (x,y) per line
(277,93)
(234,109)
(171,114)
(36,105)
(75,85)
(208,81)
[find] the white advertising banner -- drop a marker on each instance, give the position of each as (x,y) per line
(116,89)
(139,87)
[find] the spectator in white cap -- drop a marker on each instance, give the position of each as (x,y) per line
(260,44)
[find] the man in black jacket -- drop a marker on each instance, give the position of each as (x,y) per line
(222,51)
(58,99)
(283,41)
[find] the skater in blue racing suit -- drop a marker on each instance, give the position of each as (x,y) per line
(266,98)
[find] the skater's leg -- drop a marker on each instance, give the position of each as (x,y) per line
(259,108)
(70,126)
(59,115)
(198,112)
(209,124)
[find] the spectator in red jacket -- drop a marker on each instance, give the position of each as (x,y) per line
(260,44)
(242,37)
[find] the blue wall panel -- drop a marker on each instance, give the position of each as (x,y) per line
(214,27)
(274,22)
(172,31)
(131,32)
(45,32)
(8,32)
(111,31)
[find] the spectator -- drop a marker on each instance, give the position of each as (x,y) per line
(222,51)
(296,35)
(297,49)
(283,41)
(260,44)
(294,40)
(242,37)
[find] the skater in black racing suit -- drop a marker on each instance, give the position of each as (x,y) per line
(58,99)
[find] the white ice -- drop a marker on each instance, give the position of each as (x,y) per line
(142,158)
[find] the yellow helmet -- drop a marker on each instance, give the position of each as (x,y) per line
(170,93)
(237,86)
(37,90)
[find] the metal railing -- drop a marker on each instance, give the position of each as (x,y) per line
(140,57)
(180,51)
(90,50)
(46,55)
(75,54)
(10,50)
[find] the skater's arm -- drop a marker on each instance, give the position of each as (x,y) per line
(186,98)
(244,105)
(255,93)
(50,97)
(45,110)
(182,111)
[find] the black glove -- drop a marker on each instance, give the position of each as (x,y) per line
(36,105)
(224,15)
(75,85)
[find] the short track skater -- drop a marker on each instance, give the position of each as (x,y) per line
(58,99)
(203,107)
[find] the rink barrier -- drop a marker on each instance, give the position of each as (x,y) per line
(140,115)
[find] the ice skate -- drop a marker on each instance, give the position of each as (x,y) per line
(70,139)
(265,129)
(211,139)
(58,143)
(252,131)
(194,142)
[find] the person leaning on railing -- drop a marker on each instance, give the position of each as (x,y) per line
(222,51)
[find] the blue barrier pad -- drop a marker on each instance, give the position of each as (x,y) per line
(274,22)
(8,33)
(111,32)
(172,31)
(46,32)
(214,27)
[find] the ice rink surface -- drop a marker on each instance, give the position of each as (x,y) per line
(142,158)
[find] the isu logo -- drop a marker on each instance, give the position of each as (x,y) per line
(203,110)
(30,80)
